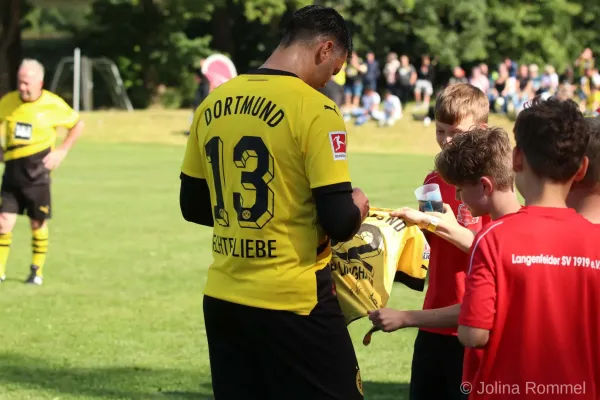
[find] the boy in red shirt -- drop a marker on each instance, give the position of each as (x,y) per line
(479,164)
(436,369)
(584,196)
(533,277)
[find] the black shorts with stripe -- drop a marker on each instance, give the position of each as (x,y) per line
(26,187)
(259,354)
(33,201)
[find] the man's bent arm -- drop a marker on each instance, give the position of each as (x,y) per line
(72,136)
(338,216)
(194,200)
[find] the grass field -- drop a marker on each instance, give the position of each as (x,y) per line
(120,312)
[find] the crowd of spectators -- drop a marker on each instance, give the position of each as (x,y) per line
(509,85)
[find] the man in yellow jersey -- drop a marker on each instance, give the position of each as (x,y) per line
(266,165)
(31,116)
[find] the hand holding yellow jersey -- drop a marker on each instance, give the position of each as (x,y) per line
(384,250)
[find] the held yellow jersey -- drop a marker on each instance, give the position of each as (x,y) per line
(364,268)
(263,141)
(30,133)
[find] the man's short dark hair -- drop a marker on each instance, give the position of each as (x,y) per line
(553,136)
(592,176)
(314,22)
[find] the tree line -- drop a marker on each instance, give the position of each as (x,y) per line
(158,42)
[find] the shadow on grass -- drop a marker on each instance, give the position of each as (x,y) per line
(132,383)
(385,390)
(24,372)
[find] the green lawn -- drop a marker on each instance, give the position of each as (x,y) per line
(120,312)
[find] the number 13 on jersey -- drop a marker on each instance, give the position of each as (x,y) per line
(248,148)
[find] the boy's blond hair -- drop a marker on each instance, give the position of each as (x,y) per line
(458,101)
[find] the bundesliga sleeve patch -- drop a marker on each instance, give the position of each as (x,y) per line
(338,145)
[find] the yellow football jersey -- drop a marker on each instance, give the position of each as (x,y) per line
(365,267)
(263,141)
(31,126)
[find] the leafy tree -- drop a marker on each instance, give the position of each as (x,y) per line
(147,41)
(156,42)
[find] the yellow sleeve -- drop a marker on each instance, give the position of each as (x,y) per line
(323,140)
(192,160)
(414,260)
(4,105)
(62,114)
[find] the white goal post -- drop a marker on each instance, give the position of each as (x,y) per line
(83,84)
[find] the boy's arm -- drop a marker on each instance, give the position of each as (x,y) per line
(473,337)
(389,320)
(447,227)
(478,310)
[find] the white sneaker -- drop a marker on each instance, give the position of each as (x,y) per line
(34,278)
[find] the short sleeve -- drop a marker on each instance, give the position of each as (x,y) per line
(324,142)
(478,308)
(413,263)
(62,114)
(192,159)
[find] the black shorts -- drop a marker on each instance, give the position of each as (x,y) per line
(32,200)
(437,367)
(258,354)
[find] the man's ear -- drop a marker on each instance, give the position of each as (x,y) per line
(517,160)
(324,51)
(582,169)
(488,185)
(483,125)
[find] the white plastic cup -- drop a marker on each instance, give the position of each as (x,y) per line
(430,198)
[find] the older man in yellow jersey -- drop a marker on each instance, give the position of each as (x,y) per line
(31,115)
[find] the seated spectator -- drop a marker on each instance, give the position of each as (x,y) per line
(424,84)
(392,110)
(389,70)
(458,76)
(406,78)
(549,81)
(373,71)
(479,80)
(355,71)
(524,90)
(536,79)
(370,104)
(501,90)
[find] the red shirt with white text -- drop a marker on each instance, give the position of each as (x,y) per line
(534,283)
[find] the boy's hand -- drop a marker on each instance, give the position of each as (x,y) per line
(388,320)
(412,216)
(447,215)
(423,219)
